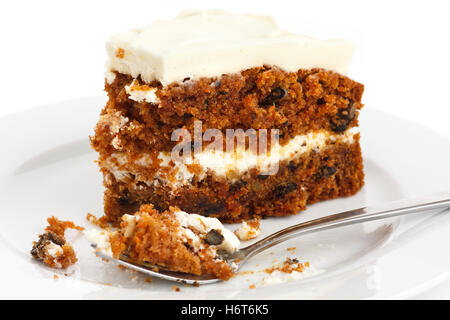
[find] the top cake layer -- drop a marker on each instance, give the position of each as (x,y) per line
(212,43)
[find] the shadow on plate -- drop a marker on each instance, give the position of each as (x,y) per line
(61,153)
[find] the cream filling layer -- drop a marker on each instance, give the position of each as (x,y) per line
(223,164)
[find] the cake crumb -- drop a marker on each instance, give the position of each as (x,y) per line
(288,266)
(252,286)
(55,276)
(247,272)
(148,280)
(134,278)
(52,247)
(175,288)
(59,227)
(100,222)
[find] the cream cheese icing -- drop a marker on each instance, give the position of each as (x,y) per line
(212,43)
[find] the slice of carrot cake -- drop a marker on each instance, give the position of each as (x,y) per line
(227,116)
(172,239)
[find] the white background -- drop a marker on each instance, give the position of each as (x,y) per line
(54,50)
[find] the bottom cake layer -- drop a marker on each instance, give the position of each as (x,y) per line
(335,171)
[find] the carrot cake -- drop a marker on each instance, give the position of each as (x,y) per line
(173,239)
(227,116)
(52,247)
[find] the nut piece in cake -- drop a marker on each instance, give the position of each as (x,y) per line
(52,247)
(172,239)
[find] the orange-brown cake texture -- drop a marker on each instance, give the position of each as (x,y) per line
(171,239)
(295,89)
(52,247)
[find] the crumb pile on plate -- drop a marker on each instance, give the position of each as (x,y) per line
(52,247)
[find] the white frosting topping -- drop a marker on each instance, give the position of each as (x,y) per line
(212,43)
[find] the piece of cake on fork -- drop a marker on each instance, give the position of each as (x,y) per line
(227,116)
(173,240)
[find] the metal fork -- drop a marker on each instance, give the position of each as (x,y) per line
(240,257)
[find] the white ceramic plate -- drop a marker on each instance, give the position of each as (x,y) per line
(47,168)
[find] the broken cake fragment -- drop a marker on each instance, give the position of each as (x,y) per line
(172,239)
(52,247)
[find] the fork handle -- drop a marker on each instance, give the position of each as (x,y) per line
(365,214)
